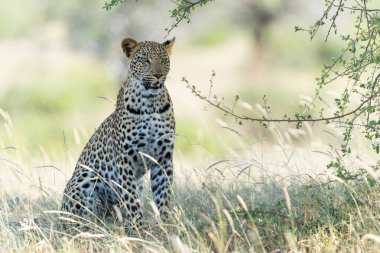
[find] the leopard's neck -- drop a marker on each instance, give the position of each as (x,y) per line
(131,99)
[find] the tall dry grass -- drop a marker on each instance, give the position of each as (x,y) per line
(220,211)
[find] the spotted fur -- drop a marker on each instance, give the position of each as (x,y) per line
(109,172)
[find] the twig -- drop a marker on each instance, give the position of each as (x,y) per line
(333,24)
(185,13)
(298,120)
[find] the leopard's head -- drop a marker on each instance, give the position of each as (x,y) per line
(149,63)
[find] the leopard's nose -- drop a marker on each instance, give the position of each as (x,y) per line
(158,76)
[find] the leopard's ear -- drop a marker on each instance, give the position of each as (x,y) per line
(129,46)
(169,45)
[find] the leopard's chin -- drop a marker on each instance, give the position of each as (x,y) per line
(152,89)
(149,93)
(154,92)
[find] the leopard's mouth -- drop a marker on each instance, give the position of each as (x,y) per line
(152,86)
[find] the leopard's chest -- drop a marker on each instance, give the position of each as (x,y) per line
(149,134)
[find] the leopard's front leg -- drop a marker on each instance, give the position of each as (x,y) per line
(129,202)
(161,184)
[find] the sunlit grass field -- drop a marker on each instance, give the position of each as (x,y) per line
(248,204)
(255,196)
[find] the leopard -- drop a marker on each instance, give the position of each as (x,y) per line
(137,137)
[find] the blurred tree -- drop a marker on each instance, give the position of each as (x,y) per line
(259,15)
(90,30)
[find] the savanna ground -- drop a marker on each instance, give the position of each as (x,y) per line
(237,188)
(247,203)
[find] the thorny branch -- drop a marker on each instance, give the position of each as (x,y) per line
(299,119)
(185,13)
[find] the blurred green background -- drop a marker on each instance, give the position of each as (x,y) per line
(61,67)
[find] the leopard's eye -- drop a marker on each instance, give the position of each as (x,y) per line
(146,60)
